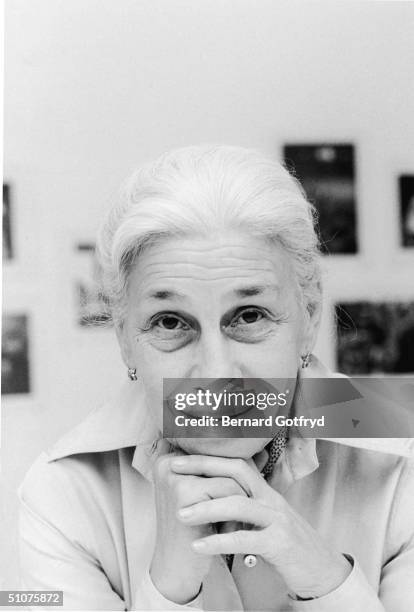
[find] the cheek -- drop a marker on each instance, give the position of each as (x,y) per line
(276,358)
(153,366)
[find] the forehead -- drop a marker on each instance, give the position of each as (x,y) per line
(226,263)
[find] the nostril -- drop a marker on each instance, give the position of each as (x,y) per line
(217,366)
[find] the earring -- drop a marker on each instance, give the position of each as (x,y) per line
(306,359)
(132,374)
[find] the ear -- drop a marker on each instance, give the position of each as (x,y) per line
(312,321)
(123,341)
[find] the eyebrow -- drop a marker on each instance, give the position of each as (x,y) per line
(165,294)
(242,292)
(255,290)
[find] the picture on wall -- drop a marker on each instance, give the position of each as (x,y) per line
(327,173)
(15,355)
(7,225)
(406,188)
(92,303)
(375,337)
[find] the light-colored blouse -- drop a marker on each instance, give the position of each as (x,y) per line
(87,523)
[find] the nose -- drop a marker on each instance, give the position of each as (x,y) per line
(215,358)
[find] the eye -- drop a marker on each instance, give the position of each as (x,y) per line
(169,322)
(252,324)
(167,331)
(248,316)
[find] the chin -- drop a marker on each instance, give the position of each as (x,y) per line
(241,448)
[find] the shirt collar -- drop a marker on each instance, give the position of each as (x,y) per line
(125,422)
(121,422)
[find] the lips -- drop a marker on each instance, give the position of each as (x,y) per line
(236,408)
(236,405)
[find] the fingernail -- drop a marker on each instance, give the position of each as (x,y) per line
(185,512)
(198,544)
(177,463)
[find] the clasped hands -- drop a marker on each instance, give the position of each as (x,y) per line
(279,534)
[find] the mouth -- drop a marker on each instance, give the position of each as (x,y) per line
(224,396)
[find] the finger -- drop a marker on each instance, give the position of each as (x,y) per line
(162,466)
(204,465)
(229,543)
(193,489)
(220,487)
(234,508)
(187,489)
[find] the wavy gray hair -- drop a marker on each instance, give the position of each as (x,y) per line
(198,190)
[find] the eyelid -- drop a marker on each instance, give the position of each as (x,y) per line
(167,313)
(267,314)
(164,315)
(190,321)
(244,309)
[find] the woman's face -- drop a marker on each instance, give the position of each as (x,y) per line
(213,308)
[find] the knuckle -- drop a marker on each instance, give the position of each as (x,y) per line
(171,480)
(240,464)
(181,488)
(283,521)
(245,502)
(235,489)
(201,460)
(162,468)
(223,487)
(238,538)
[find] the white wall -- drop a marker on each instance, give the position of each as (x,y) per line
(94,87)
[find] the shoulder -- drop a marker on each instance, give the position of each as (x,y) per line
(69,473)
(361,459)
(68,493)
(86,459)
(382,478)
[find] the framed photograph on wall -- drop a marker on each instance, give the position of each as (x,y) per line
(406,192)
(15,366)
(7,224)
(91,302)
(375,337)
(327,173)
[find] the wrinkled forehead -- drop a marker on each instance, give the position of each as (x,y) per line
(224,265)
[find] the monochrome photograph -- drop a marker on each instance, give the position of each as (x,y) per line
(327,173)
(7,224)
(92,306)
(406,190)
(208,315)
(375,338)
(15,354)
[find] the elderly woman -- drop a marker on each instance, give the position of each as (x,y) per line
(211,265)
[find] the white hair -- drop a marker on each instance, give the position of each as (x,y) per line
(197,191)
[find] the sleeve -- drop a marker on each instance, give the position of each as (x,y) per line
(397,577)
(355,594)
(54,555)
(147,597)
(396,589)
(51,558)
